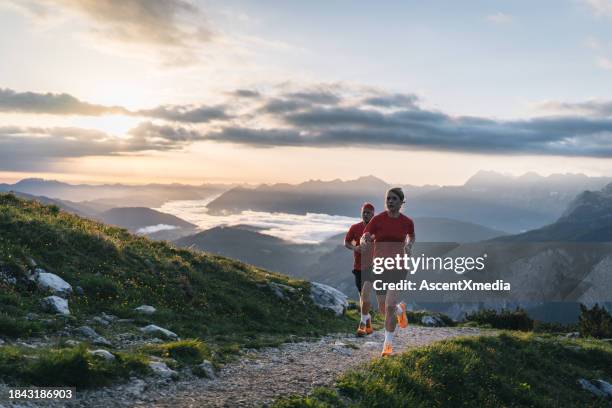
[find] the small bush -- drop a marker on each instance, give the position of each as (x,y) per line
(505,319)
(189,351)
(67,367)
(552,327)
(595,322)
(18,327)
(100,287)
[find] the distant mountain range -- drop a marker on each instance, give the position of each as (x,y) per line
(106,196)
(588,218)
(491,199)
(334,197)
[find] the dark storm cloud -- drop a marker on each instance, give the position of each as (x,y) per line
(58,104)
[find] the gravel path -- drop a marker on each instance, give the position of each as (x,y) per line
(261,376)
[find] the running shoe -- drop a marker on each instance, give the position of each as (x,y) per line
(402,319)
(362,330)
(387,350)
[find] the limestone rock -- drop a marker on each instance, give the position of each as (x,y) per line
(156,330)
(161,369)
(207,369)
(105,354)
(326,297)
(432,321)
(145,309)
(599,388)
(56,304)
(53,283)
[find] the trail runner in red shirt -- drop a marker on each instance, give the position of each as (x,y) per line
(390,233)
(361,265)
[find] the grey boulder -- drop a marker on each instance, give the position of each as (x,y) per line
(145,309)
(432,321)
(55,304)
(53,283)
(156,330)
(327,297)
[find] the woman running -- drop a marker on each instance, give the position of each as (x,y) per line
(391,233)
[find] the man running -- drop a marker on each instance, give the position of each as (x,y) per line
(391,233)
(364,286)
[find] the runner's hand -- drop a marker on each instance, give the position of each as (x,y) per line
(366,239)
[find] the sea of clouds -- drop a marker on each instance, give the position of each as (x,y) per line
(308,228)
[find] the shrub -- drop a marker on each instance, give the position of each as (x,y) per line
(100,287)
(18,327)
(188,351)
(505,319)
(67,367)
(553,327)
(595,322)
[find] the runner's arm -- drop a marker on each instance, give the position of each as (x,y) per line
(349,239)
(349,245)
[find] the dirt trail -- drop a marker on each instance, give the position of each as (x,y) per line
(297,368)
(261,376)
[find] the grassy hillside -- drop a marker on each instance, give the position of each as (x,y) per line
(214,299)
(509,370)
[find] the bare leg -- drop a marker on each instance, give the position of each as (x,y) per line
(365,300)
(381,304)
(391,302)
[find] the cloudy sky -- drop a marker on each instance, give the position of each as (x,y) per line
(236,91)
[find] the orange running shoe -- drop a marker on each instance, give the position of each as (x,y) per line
(402,319)
(387,350)
(362,330)
(368,328)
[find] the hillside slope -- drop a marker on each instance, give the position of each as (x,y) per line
(113,271)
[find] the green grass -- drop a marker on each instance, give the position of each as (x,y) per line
(197,295)
(509,370)
(220,302)
(62,366)
(187,352)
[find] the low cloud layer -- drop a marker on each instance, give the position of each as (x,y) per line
(55,104)
(65,104)
(27,148)
(322,117)
(590,107)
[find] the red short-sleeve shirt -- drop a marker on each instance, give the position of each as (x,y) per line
(389,233)
(353,236)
